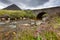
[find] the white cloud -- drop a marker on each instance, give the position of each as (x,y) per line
(51,3)
(1,5)
(26,4)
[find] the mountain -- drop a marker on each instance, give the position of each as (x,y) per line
(12,7)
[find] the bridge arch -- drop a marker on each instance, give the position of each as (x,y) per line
(40,15)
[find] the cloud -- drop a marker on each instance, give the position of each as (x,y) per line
(50,3)
(24,4)
(6,1)
(2,5)
(34,3)
(30,4)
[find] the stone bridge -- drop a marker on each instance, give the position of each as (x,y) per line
(50,11)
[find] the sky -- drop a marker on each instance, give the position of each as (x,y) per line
(30,4)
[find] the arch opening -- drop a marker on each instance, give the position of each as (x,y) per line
(40,15)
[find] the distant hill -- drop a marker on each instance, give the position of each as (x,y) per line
(12,7)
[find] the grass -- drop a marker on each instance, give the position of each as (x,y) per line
(40,33)
(55,21)
(18,13)
(45,31)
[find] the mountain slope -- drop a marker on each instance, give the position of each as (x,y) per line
(12,7)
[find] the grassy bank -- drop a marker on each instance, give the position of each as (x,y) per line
(50,30)
(18,13)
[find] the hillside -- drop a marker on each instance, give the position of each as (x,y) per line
(12,7)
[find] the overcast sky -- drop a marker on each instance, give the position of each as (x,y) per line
(30,4)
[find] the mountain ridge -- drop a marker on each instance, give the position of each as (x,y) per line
(12,7)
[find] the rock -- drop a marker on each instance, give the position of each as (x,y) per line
(7,21)
(26,24)
(38,22)
(3,19)
(24,18)
(45,19)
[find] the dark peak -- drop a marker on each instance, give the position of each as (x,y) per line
(12,7)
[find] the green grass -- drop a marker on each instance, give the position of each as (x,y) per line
(55,21)
(17,13)
(48,32)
